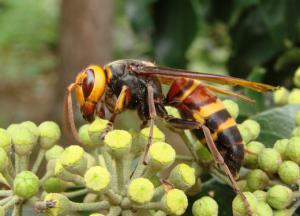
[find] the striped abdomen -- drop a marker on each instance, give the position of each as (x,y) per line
(197,103)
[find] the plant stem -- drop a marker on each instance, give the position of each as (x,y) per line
(149,172)
(114,197)
(13,200)
(127,213)
(184,157)
(5,200)
(114,211)
(90,206)
(38,160)
(95,153)
(24,161)
(120,175)
(295,207)
(150,205)
(17,163)
(76,193)
(160,213)
(158,191)
(139,168)
(127,167)
(5,193)
(47,175)
(8,177)
(17,211)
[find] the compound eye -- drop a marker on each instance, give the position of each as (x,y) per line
(88,82)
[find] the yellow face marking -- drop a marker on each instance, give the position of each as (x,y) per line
(227,124)
(209,109)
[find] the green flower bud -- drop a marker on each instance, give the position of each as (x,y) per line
(97,178)
(12,129)
(195,189)
(269,160)
(280,96)
(140,190)
(245,133)
(232,107)
(289,172)
(62,173)
(284,212)
(62,206)
(5,140)
(182,176)
(175,202)
(257,180)
(84,137)
(31,126)
(260,195)
(74,159)
(280,146)
(296,78)
(49,134)
(95,130)
(173,111)
(251,157)
(54,153)
(279,197)
(296,132)
(297,118)
(294,97)
(142,139)
(263,209)
(242,185)
(293,149)
(54,185)
(239,207)
(118,143)
(205,206)
(203,153)
(3,160)
(26,184)
(254,128)
(161,155)
(23,140)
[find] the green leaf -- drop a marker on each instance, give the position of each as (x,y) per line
(276,123)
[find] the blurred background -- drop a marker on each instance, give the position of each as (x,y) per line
(45,43)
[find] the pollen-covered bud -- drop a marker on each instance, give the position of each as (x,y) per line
(297,118)
(31,126)
(175,202)
(54,185)
(23,140)
(239,207)
(269,160)
(158,136)
(118,143)
(257,180)
(293,149)
(279,197)
(205,206)
(54,153)
(280,96)
(3,160)
(296,132)
(296,78)
(49,134)
(263,209)
(232,107)
(253,126)
(260,195)
(161,155)
(251,156)
(97,178)
(84,137)
(74,159)
(294,97)
(140,190)
(26,184)
(95,130)
(5,140)
(62,206)
(289,172)
(280,146)
(182,176)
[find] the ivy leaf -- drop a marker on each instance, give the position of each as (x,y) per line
(276,123)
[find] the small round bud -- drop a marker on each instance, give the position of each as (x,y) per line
(245,133)
(254,128)
(84,137)
(280,146)
(284,212)
(23,140)
(3,160)
(97,178)
(205,206)
(26,184)
(239,207)
(140,190)
(257,180)
(280,96)
(269,160)
(289,172)
(95,130)
(62,206)
(293,149)
(31,126)
(296,78)
(12,129)
(296,132)
(49,134)
(175,202)
(279,197)
(161,155)
(251,157)
(297,118)
(74,159)
(260,195)
(203,153)
(54,185)
(158,136)
(118,143)
(182,176)
(54,153)
(173,111)
(294,97)
(232,107)
(242,185)
(263,209)
(5,140)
